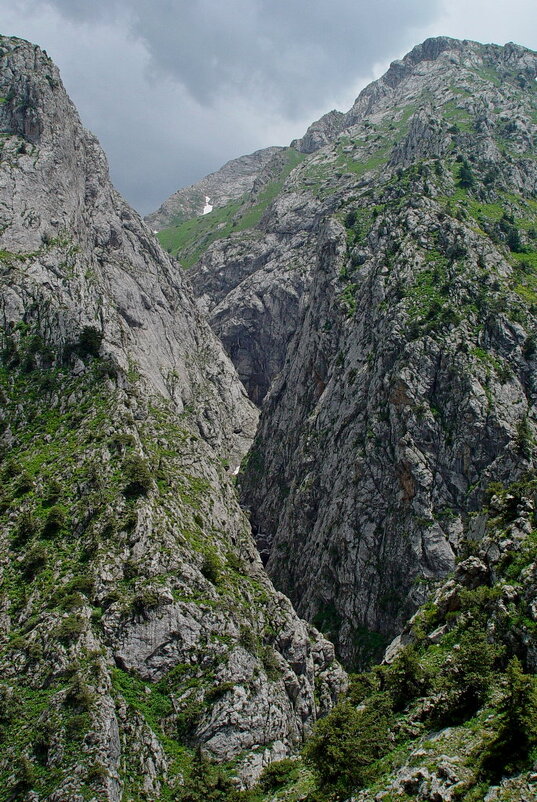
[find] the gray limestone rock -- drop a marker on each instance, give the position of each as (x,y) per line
(136,613)
(404,389)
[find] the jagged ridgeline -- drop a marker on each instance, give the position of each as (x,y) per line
(136,620)
(387,297)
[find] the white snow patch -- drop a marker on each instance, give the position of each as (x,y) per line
(208,207)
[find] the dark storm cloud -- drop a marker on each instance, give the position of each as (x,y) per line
(174,88)
(291,54)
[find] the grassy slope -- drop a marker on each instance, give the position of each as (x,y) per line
(188,240)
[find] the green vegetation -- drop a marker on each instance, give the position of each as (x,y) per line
(72,494)
(489,74)
(188,240)
(199,233)
(509,748)
(458,115)
(346,744)
(138,476)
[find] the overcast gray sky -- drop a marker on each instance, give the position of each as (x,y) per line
(174,88)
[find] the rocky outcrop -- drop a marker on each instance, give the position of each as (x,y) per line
(321,132)
(254,291)
(481,618)
(230,183)
(136,620)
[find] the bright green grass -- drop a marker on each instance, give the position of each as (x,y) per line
(489,74)
(525,275)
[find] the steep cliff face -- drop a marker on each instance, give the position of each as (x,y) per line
(136,620)
(321,132)
(410,383)
(386,296)
(250,272)
(228,184)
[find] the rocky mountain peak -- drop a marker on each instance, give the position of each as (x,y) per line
(437,64)
(334,308)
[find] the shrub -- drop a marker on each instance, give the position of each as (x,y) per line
(278,774)
(138,477)
(54,521)
(9,705)
(122,441)
(81,584)
(42,741)
(271,664)
(466,177)
(361,686)
(345,744)
(26,528)
(52,492)
(211,567)
(80,696)
(216,693)
(530,346)
(106,368)
(189,717)
(235,562)
(350,219)
(248,639)
(23,484)
(129,520)
(89,342)
(206,783)
(405,680)
(516,725)
(524,438)
(34,561)
(11,469)
(70,629)
(146,599)
(69,596)
(25,776)
(513,241)
(466,678)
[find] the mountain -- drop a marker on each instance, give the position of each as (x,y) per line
(137,624)
(228,184)
(376,289)
(383,306)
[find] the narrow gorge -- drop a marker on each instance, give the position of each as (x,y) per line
(248,449)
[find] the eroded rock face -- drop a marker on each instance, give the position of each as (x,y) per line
(135,615)
(254,291)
